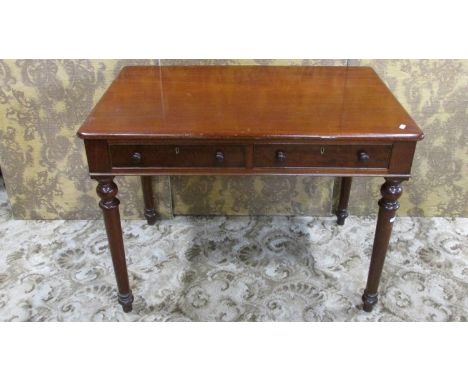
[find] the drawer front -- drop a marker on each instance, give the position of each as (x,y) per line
(177,156)
(305,155)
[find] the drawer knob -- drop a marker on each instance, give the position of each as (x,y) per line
(280,156)
(219,157)
(363,156)
(136,158)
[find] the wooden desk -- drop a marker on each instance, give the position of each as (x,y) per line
(327,121)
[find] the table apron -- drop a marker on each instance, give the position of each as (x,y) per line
(251,158)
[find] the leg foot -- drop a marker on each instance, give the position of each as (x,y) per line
(150,211)
(391,190)
(342,209)
(341,215)
(126,301)
(369,301)
(150,215)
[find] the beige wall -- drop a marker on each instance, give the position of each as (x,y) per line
(43,103)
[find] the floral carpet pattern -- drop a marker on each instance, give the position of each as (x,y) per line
(232,269)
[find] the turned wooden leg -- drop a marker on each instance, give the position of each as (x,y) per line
(342,210)
(391,190)
(150,212)
(107,191)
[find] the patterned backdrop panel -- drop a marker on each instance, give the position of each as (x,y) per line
(252,195)
(43,103)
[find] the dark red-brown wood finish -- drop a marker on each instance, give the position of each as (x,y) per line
(241,120)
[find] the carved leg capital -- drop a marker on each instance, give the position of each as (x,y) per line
(391,191)
(107,190)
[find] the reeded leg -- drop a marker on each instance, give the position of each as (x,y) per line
(391,190)
(342,210)
(107,191)
(150,212)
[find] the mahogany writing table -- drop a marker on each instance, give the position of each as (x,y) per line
(247,120)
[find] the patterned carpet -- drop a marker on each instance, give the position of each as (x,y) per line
(232,269)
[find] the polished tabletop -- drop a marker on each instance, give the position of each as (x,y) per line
(249,102)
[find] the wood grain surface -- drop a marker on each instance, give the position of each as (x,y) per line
(249,102)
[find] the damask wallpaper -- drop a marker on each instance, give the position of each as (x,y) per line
(43,103)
